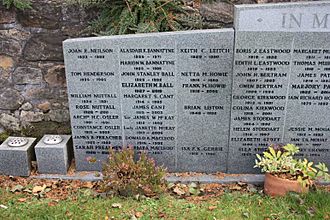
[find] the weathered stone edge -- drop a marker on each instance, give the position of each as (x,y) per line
(255,179)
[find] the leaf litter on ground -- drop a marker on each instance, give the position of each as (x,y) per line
(62,189)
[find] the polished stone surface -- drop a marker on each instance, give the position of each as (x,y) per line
(280,81)
(164,93)
(16,161)
(54,158)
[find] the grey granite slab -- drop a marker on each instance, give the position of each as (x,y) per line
(255,179)
(164,93)
(280,81)
(204,98)
(93,89)
(16,161)
(54,158)
(83,176)
(283,17)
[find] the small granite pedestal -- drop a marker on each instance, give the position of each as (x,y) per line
(54,158)
(16,161)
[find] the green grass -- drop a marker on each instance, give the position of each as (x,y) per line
(236,205)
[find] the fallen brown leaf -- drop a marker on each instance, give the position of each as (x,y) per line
(235,187)
(17,188)
(197,4)
(211,208)
(67,213)
(241,184)
(178,191)
(116,205)
(161,215)
(52,204)
(49,184)
(38,189)
(22,199)
(138,214)
(89,185)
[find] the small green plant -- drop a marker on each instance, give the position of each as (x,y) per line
(19,4)
(134,16)
(279,161)
(128,177)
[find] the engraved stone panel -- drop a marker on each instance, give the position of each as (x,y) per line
(204,88)
(164,93)
(281,81)
(92,69)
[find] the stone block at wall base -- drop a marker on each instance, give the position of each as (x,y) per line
(16,161)
(54,158)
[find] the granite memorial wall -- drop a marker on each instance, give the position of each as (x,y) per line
(165,93)
(195,101)
(281,81)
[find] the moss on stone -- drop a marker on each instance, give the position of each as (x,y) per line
(38,129)
(3,136)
